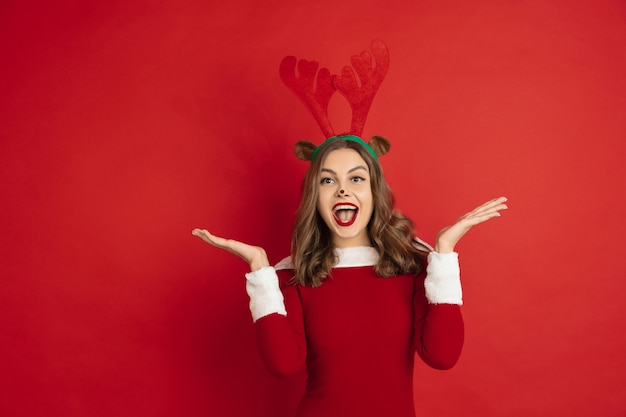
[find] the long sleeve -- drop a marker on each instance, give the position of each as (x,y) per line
(438,323)
(281,338)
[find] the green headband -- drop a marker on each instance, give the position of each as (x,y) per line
(351,138)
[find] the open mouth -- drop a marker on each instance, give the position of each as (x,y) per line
(345,213)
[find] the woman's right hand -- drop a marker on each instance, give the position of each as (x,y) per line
(255,256)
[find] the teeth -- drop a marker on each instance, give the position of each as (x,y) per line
(344,207)
(345,213)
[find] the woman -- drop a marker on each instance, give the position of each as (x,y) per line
(359,294)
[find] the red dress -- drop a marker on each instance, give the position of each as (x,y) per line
(357,335)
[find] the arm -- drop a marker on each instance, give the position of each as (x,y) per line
(280,335)
(281,338)
(439,328)
(438,323)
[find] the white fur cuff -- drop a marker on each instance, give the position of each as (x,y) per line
(265,295)
(443,279)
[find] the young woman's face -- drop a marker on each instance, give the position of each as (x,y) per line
(345,197)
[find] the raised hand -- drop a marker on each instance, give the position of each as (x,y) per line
(448,237)
(255,256)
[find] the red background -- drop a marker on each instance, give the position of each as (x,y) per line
(125,124)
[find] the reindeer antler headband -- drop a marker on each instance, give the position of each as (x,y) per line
(316,96)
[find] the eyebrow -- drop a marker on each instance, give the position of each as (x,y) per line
(349,171)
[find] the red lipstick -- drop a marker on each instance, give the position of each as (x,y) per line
(345,214)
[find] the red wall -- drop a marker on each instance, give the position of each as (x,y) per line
(125,124)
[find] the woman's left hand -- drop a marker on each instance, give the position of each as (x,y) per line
(448,237)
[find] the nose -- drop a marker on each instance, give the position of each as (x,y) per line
(341,192)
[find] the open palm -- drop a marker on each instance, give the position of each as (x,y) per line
(255,256)
(449,236)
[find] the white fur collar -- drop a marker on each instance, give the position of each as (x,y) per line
(354,256)
(348,258)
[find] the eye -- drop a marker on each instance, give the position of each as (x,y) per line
(326,180)
(357,179)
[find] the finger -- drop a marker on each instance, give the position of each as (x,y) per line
(222,243)
(201,233)
(490,210)
(490,204)
(209,238)
(235,247)
(490,207)
(479,218)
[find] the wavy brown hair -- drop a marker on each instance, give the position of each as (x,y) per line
(390,232)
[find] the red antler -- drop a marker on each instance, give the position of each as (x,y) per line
(360,98)
(315,99)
